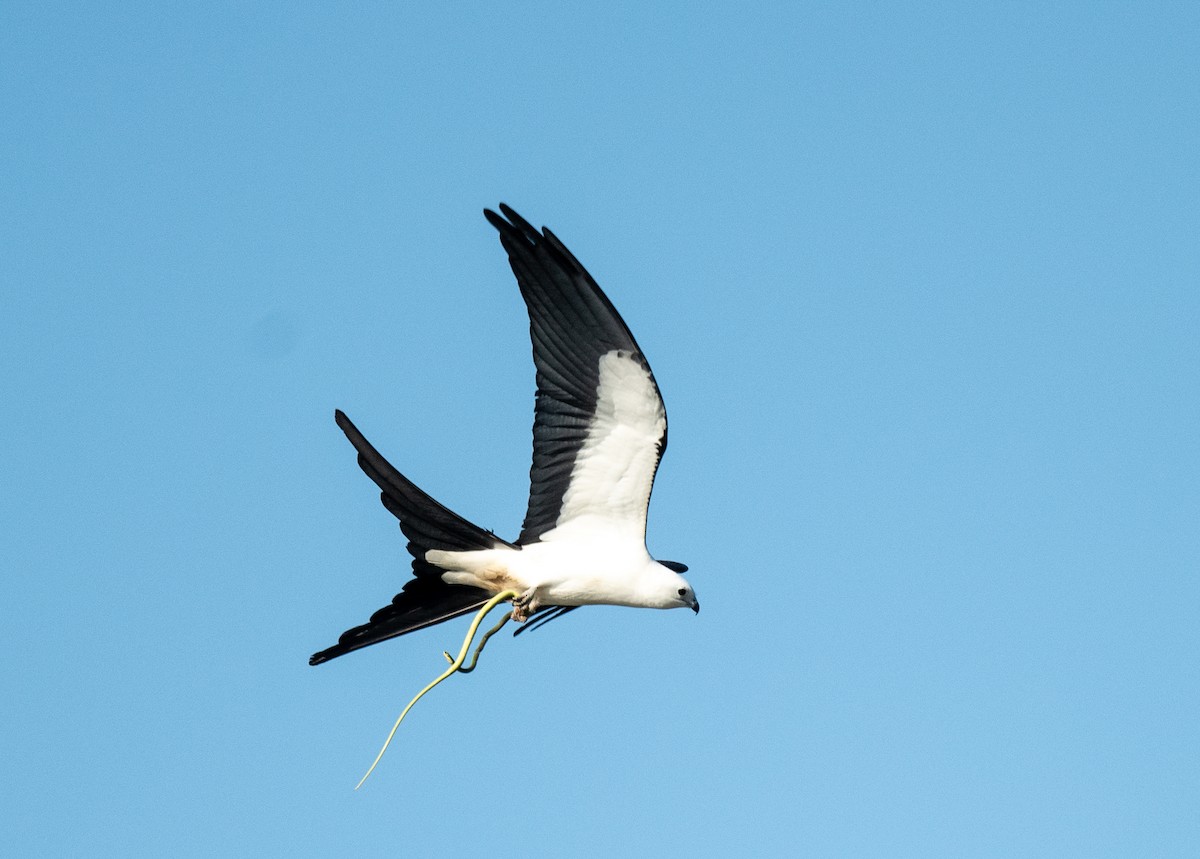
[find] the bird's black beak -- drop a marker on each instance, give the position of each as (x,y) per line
(696,607)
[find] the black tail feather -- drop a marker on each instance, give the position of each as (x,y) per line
(426,523)
(425,600)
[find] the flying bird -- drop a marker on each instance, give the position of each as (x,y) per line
(599,431)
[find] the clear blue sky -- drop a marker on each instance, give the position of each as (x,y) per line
(921,287)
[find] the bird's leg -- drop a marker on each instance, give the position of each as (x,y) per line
(525,605)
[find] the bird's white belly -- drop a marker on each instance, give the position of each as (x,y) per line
(602,571)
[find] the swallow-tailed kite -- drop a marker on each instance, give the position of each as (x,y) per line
(599,430)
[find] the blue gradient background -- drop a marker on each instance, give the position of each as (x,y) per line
(919,283)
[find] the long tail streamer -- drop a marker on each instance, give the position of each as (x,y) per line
(455,665)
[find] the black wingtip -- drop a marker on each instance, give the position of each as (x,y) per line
(495,220)
(515,219)
(510,224)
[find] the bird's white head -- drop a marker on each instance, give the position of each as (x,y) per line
(668,589)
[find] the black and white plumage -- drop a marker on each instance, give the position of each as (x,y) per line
(599,431)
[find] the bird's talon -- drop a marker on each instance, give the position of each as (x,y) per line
(524,605)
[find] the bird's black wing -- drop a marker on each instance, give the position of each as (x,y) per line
(573,326)
(543,616)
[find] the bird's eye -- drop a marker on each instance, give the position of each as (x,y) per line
(683,592)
